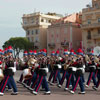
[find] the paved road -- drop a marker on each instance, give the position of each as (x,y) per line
(57,94)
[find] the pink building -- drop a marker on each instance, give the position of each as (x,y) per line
(65,33)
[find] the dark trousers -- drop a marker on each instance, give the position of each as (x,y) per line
(8,79)
(91,76)
(79,81)
(70,80)
(42,81)
(57,76)
(65,75)
(98,82)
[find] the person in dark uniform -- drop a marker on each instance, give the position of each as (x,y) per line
(79,73)
(9,72)
(43,70)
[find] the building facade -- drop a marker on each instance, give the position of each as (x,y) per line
(91,25)
(35,26)
(65,33)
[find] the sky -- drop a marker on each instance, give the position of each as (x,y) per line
(11,12)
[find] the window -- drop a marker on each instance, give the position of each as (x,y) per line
(32,32)
(89,34)
(49,21)
(28,32)
(98,31)
(42,20)
(99,20)
(89,21)
(37,31)
(25,21)
(32,20)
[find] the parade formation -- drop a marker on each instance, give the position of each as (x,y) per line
(42,70)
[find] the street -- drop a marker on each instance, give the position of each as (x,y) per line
(56,93)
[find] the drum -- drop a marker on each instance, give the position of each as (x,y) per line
(27,74)
(1,75)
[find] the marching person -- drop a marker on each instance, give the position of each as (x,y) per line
(9,72)
(79,73)
(24,65)
(71,70)
(92,69)
(64,63)
(43,70)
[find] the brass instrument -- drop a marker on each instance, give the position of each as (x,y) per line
(87,58)
(96,60)
(67,64)
(52,63)
(31,62)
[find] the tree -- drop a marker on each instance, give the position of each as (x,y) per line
(19,44)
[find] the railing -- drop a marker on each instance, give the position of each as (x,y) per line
(96,36)
(64,44)
(51,45)
(94,25)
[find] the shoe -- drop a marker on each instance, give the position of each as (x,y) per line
(34,92)
(1,94)
(72,92)
(94,87)
(87,86)
(59,85)
(47,93)
(14,93)
(82,92)
(66,89)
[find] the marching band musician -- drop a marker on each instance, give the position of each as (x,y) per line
(92,68)
(24,65)
(64,63)
(71,69)
(57,68)
(35,76)
(9,72)
(33,65)
(43,70)
(51,68)
(98,74)
(80,69)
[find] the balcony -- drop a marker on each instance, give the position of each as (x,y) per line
(96,36)
(28,25)
(64,44)
(91,26)
(51,45)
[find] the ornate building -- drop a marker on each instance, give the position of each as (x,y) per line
(65,33)
(36,25)
(91,25)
